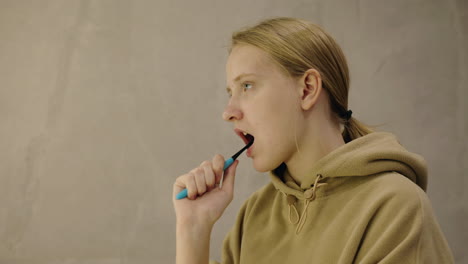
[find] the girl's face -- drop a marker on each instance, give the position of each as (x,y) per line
(264,102)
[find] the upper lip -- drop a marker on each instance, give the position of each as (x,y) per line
(241,133)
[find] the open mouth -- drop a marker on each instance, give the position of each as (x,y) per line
(246,137)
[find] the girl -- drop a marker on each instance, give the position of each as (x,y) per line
(339,192)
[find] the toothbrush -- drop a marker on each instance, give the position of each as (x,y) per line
(183,194)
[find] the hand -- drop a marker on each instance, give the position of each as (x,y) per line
(205,202)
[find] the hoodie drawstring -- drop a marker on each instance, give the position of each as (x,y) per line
(309,195)
(291,201)
(303,218)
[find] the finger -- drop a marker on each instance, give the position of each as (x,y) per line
(209,175)
(185,181)
(218,165)
(178,186)
(191,187)
(229,177)
(200,181)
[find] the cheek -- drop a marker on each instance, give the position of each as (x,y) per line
(271,107)
(274,116)
(275,129)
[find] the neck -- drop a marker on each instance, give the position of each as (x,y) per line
(315,145)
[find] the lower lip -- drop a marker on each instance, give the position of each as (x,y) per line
(249,151)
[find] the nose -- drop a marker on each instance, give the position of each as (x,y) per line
(232,112)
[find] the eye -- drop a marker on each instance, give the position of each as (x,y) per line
(246,86)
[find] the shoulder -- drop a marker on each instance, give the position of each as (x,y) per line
(394,188)
(385,197)
(399,221)
(392,198)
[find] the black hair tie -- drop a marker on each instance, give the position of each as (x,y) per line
(347,115)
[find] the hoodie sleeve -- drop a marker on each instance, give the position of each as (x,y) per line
(233,240)
(404,230)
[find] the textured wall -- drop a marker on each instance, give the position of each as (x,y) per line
(103,103)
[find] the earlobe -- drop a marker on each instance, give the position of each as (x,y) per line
(311,86)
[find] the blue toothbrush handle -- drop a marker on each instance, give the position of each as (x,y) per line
(228,163)
(183,194)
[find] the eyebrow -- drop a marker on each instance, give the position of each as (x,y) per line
(238,78)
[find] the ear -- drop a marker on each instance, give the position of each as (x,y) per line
(310,88)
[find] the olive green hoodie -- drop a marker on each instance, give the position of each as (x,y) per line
(364,202)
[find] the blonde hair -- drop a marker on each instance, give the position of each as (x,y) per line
(298,45)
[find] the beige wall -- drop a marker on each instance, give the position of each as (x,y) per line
(104,103)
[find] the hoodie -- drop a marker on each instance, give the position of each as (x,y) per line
(364,202)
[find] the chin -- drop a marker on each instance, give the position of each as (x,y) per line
(263,166)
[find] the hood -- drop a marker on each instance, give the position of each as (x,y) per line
(371,154)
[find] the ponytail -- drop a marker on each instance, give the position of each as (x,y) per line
(353,129)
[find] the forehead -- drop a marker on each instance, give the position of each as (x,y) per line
(248,59)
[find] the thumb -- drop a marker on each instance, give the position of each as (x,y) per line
(229,177)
